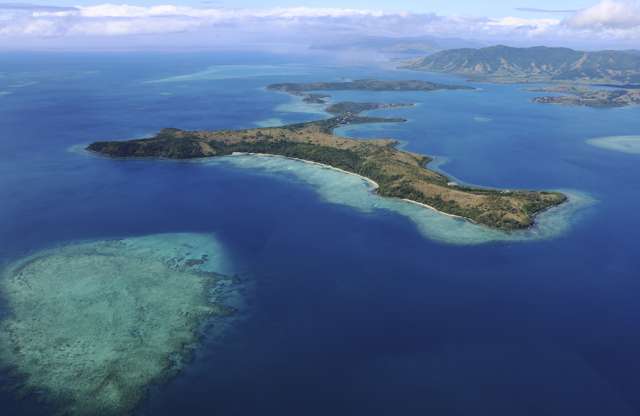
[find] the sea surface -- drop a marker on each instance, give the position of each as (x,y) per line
(360,305)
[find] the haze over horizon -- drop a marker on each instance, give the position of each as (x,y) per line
(284,25)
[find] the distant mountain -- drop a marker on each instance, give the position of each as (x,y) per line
(507,64)
(419,45)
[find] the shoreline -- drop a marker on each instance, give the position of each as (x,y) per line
(373,183)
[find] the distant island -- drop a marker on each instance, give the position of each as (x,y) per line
(391,45)
(537,64)
(396,173)
(588,97)
(304,90)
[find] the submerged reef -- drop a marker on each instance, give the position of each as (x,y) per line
(93,324)
(624,144)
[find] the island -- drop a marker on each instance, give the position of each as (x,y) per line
(504,64)
(582,96)
(304,90)
(396,173)
(575,71)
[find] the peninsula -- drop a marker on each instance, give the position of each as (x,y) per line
(398,174)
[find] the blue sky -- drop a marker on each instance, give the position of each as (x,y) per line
(473,7)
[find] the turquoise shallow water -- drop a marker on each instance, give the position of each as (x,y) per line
(93,323)
(361,304)
(625,144)
(355,192)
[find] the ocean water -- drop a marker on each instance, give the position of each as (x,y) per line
(360,305)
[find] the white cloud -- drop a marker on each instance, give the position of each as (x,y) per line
(608,14)
(522,22)
(607,20)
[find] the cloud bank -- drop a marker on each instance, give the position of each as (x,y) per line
(614,23)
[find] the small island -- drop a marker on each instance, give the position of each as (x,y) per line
(575,95)
(396,173)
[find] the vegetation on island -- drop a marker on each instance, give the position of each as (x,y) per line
(398,173)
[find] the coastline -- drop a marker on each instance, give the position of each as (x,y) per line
(373,183)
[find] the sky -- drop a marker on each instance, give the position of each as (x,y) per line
(461,7)
(287,25)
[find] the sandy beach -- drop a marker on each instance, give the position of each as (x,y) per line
(438,211)
(322,165)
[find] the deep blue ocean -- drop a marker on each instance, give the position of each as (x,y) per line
(352,312)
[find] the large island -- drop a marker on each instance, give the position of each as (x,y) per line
(397,173)
(506,64)
(575,70)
